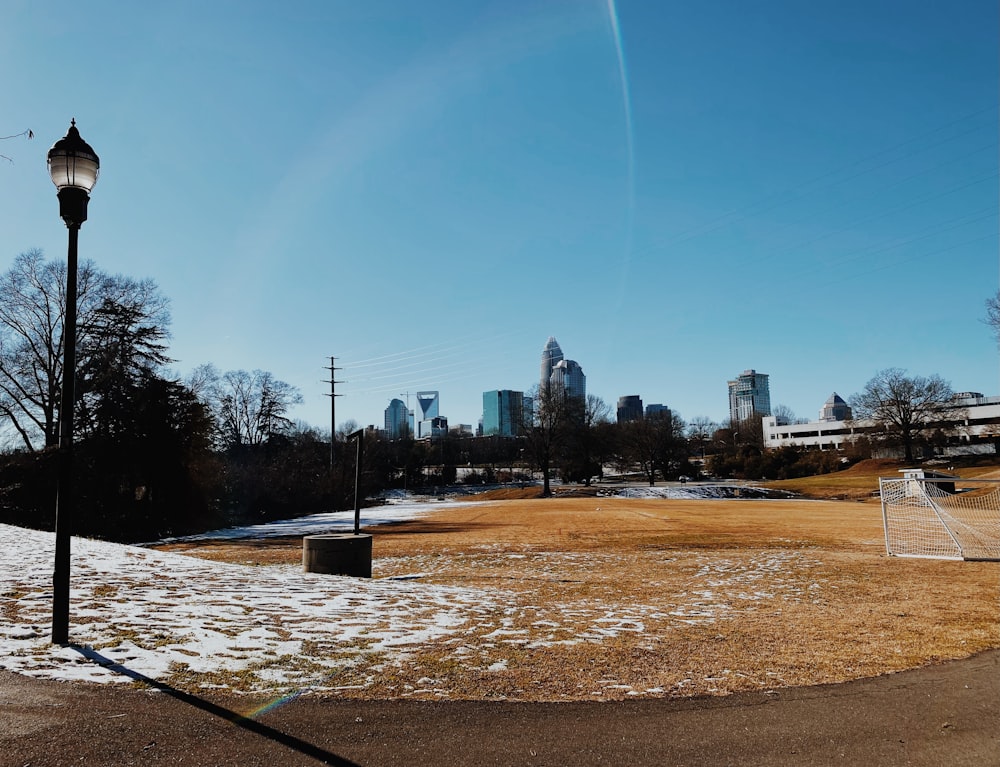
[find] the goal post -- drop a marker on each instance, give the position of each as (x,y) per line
(939,518)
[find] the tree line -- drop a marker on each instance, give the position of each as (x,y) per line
(155,454)
(575,440)
(158,454)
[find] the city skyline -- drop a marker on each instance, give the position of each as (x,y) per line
(675,191)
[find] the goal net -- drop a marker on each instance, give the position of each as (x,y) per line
(942,519)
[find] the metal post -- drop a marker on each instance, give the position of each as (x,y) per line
(73,167)
(360,436)
(65,498)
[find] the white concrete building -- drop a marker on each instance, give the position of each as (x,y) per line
(971,425)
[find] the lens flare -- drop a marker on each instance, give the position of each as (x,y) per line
(616,35)
(276,703)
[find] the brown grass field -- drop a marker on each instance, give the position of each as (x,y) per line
(603,598)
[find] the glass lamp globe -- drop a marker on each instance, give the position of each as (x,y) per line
(73,163)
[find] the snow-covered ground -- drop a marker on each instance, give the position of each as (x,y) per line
(693,491)
(401,507)
(397,509)
(168,616)
(157,612)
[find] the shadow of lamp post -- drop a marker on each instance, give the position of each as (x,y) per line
(73,167)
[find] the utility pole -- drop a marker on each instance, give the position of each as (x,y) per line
(333,406)
(409,413)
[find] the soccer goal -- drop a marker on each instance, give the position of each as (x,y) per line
(941,518)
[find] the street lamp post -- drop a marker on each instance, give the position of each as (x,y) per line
(73,167)
(359,435)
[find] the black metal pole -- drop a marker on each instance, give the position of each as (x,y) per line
(65,498)
(360,434)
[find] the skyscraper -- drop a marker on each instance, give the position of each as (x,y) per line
(835,409)
(551,356)
(629,408)
(503,412)
(656,410)
(428,406)
(568,376)
(397,419)
(749,396)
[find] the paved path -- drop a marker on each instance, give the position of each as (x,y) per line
(942,715)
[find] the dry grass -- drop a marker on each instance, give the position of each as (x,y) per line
(860,481)
(602,597)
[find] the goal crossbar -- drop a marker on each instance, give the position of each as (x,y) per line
(923,517)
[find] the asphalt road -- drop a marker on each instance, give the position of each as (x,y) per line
(947,714)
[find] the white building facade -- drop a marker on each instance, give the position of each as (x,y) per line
(970,425)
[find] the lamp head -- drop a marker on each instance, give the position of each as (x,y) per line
(73,162)
(73,168)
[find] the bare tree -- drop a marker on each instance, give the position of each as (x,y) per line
(545,430)
(28,134)
(901,406)
(749,432)
(653,444)
(249,407)
(700,431)
(347,428)
(586,440)
(993,314)
(783,415)
(32,310)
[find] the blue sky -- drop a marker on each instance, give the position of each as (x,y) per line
(430,190)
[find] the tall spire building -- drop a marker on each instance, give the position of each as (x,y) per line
(559,371)
(551,356)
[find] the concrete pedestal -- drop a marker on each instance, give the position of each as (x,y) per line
(338,554)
